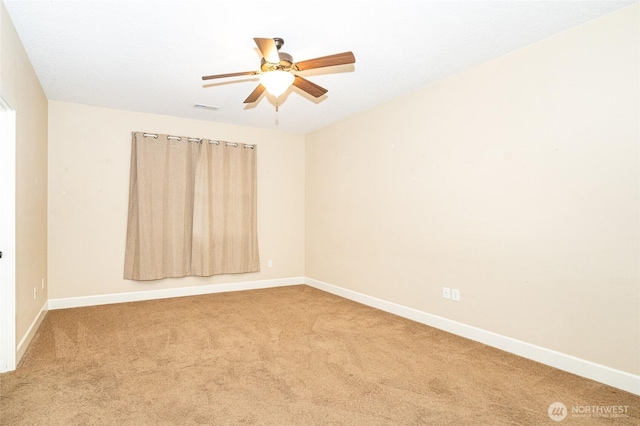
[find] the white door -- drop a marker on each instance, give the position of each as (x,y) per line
(7,237)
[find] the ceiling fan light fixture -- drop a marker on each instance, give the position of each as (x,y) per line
(277,82)
(277,67)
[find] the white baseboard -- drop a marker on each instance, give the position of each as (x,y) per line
(28,336)
(590,370)
(137,296)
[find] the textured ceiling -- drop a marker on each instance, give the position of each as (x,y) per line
(150,56)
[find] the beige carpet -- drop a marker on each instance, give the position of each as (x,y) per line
(283,356)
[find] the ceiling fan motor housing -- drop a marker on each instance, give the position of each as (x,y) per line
(286,63)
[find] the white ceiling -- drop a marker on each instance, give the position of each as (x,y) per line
(150,56)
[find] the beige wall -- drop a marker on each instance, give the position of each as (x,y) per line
(20,87)
(516,182)
(89,155)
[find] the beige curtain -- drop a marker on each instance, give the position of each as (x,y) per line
(192,208)
(225,237)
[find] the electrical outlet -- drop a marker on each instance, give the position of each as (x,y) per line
(455,294)
(446,292)
(270,263)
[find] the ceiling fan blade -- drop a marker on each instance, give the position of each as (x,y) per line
(268,49)
(309,87)
(327,61)
(255,94)
(233,74)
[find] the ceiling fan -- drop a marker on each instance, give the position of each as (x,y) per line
(277,70)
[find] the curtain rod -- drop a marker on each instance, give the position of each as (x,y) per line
(199,140)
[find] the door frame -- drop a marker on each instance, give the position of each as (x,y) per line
(7,237)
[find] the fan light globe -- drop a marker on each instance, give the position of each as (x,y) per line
(276,82)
